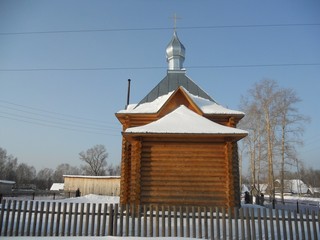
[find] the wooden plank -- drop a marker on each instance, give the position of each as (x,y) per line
(253,225)
(199,223)
(290,225)
(151,222)
(57,226)
(19,217)
(163,221)
(87,215)
(218,223)
(110,222)
(303,235)
(133,219)
(52,220)
(181,222)
(12,220)
(212,224)
(145,217)
(121,220)
(194,227)
(69,219)
(284,227)
(314,225)
(75,220)
(98,225)
(175,222)
(296,225)
(115,219)
(46,221)
(139,221)
(64,216)
(81,220)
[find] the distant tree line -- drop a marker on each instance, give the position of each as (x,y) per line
(95,163)
(275,129)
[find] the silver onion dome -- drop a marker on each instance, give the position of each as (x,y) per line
(175,53)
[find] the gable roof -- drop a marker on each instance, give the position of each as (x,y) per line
(184,121)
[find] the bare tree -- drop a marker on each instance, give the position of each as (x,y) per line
(64,169)
(44,178)
(25,174)
(290,128)
(274,122)
(96,160)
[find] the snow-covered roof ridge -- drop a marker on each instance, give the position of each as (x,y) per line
(184,121)
(211,107)
(205,105)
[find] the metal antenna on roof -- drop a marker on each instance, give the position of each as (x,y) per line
(128,95)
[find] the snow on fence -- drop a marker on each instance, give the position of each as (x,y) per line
(39,218)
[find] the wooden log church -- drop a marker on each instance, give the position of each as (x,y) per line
(179,146)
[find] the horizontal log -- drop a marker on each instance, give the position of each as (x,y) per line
(193,189)
(181,164)
(187,182)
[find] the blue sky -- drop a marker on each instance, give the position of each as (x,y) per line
(62,80)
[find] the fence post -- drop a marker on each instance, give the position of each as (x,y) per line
(110,227)
(297,206)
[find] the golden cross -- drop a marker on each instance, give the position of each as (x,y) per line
(175,18)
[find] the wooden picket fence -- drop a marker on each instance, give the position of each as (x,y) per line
(39,218)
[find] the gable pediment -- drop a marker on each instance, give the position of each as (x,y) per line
(178,97)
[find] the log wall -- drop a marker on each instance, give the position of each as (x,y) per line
(184,173)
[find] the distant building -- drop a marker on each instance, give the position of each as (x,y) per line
(293,186)
(6,186)
(57,187)
(100,185)
(179,146)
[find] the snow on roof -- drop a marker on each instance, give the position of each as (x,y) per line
(209,107)
(83,176)
(57,187)
(7,182)
(206,106)
(148,107)
(184,120)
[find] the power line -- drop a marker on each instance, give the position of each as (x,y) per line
(158,67)
(160,28)
(54,113)
(55,126)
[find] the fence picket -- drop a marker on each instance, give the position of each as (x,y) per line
(18,219)
(175,224)
(181,221)
(53,209)
(314,226)
(14,205)
(302,225)
(81,219)
(86,225)
(115,219)
(163,221)
(284,227)
(110,227)
(58,219)
(151,221)
(188,221)
(157,221)
(75,220)
(6,222)
(193,223)
(145,229)
(37,218)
